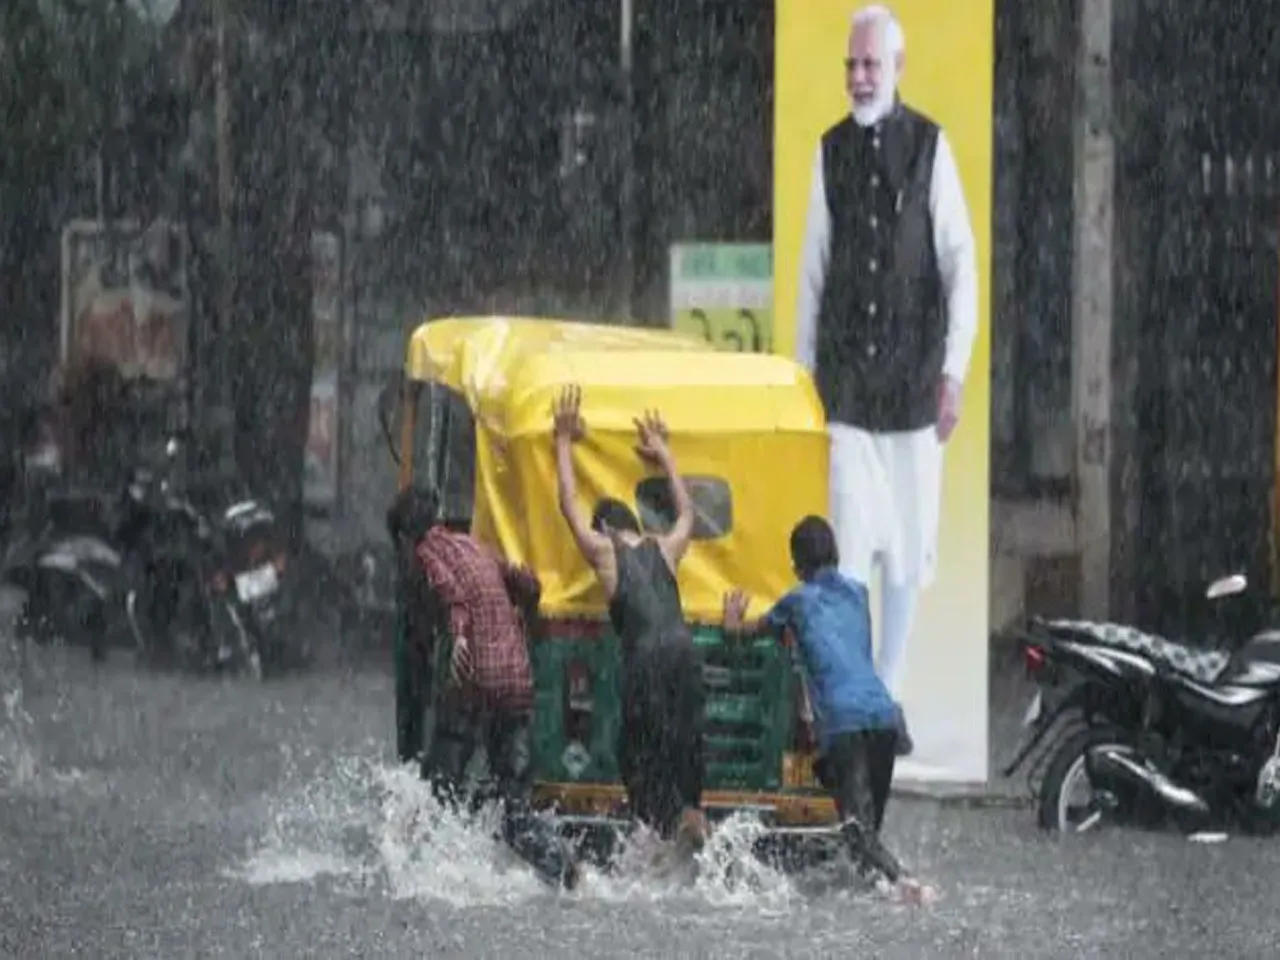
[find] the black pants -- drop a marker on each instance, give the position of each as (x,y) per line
(660,755)
(505,738)
(857,770)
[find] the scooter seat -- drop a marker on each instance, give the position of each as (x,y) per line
(1196,663)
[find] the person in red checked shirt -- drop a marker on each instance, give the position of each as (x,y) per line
(487,698)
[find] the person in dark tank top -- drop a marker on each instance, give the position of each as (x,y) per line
(660,752)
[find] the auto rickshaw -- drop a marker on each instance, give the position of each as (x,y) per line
(749,433)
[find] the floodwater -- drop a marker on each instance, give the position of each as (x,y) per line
(146,814)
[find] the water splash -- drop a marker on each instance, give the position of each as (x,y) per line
(430,852)
(19,765)
(19,761)
(25,766)
(727,873)
(317,828)
(380,827)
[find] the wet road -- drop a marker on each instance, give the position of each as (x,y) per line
(149,815)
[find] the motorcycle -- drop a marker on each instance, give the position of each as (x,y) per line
(1153,731)
(214,580)
(71,571)
(201,582)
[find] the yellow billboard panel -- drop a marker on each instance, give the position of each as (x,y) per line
(947,76)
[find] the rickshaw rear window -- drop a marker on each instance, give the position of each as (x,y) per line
(712,506)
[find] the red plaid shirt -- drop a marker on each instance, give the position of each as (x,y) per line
(476,587)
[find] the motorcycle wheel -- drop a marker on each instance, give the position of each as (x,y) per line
(62,609)
(96,625)
(35,626)
(255,666)
(1065,772)
(43,618)
(253,654)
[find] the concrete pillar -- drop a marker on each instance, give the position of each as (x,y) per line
(1092,313)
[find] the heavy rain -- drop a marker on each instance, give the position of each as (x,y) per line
(268,268)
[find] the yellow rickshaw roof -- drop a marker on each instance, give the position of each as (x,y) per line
(509,368)
(439,349)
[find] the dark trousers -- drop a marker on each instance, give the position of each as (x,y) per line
(505,739)
(857,770)
(660,755)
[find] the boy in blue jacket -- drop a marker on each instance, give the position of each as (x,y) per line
(855,719)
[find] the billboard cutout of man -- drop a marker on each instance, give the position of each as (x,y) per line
(886,318)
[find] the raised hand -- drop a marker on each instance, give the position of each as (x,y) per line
(736,602)
(652,433)
(566,414)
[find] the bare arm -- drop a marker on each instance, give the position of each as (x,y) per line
(740,627)
(594,546)
(523,586)
(735,616)
(747,628)
(675,542)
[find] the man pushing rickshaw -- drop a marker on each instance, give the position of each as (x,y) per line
(643,706)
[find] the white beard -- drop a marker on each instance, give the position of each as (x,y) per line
(878,109)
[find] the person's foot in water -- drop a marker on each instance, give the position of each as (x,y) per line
(573,875)
(692,833)
(676,859)
(905,746)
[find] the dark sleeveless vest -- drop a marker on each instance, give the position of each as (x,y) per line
(882,325)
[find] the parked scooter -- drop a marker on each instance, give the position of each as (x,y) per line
(198,583)
(70,569)
(214,580)
(1157,729)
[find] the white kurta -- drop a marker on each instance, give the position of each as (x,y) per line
(886,488)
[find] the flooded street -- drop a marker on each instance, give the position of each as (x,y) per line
(972,303)
(153,815)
